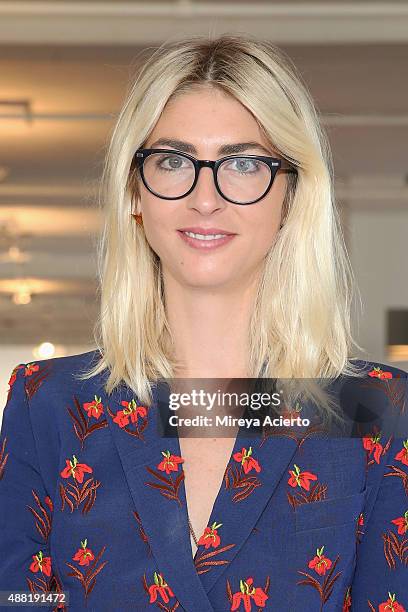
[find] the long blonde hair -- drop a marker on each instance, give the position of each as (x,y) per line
(300,326)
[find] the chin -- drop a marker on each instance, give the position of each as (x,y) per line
(205,278)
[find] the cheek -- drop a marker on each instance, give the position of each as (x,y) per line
(264,225)
(156,223)
(265,237)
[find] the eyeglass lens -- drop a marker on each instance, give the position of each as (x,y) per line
(241,179)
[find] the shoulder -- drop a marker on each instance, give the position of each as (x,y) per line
(51,393)
(379,381)
(376,369)
(44,395)
(66,366)
(375,404)
(48,384)
(58,374)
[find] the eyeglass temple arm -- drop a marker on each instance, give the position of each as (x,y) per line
(287,166)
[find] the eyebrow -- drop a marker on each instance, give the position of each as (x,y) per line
(226,149)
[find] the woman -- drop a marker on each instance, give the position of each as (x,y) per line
(231,270)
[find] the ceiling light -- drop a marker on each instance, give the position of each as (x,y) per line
(23,294)
(15,255)
(45,350)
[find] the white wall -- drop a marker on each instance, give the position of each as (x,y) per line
(378,248)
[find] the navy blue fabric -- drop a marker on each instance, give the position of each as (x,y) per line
(119,539)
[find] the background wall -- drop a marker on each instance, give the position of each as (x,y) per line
(378,246)
(65,68)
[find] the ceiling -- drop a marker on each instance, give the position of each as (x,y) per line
(58,102)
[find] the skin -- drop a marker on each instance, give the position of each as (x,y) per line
(209,295)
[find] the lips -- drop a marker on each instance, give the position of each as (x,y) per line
(206,243)
(205,231)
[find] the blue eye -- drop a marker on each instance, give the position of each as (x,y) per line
(174,162)
(243,165)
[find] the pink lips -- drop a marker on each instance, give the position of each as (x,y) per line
(206,245)
(205,230)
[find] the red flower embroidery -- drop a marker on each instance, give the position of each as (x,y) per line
(391,605)
(12,380)
(14,375)
(43,519)
(301,479)
(247,461)
(247,593)
(160,587)
(75,469)
(81,415)
(87,578)
(142,532)
(210,536)
(359,528)
(3,457)
(167,486)
(132,411)
(170,463)
(35,376)
(84,555)
(347,601)
(372,444)
(30,368)
(74,495)
(402,523)
(206,561)
(320,563)
(402,455)
(238,478)
(378,373)
(94,408)
(49,503)
(41,564)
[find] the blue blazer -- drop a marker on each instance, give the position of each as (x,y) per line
(93,504)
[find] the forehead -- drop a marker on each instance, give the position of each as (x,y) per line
(207,117)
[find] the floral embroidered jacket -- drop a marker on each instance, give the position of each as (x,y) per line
(93,504)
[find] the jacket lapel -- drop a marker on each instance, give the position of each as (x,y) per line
(160,500)
(239,505)
(161,504)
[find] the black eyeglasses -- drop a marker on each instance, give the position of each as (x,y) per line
(240,179)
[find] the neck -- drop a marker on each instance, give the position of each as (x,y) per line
(210,327)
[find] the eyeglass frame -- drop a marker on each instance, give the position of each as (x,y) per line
(274,163)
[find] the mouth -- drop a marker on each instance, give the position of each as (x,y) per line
(205,241)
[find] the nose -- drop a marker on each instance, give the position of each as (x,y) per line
(205,197)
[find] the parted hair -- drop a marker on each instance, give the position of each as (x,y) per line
(301,320)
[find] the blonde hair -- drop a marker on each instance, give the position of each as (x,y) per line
(300,326)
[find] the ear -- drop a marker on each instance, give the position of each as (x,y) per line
(135,207)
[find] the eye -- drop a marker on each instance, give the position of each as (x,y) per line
(171,163)
(242,165)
